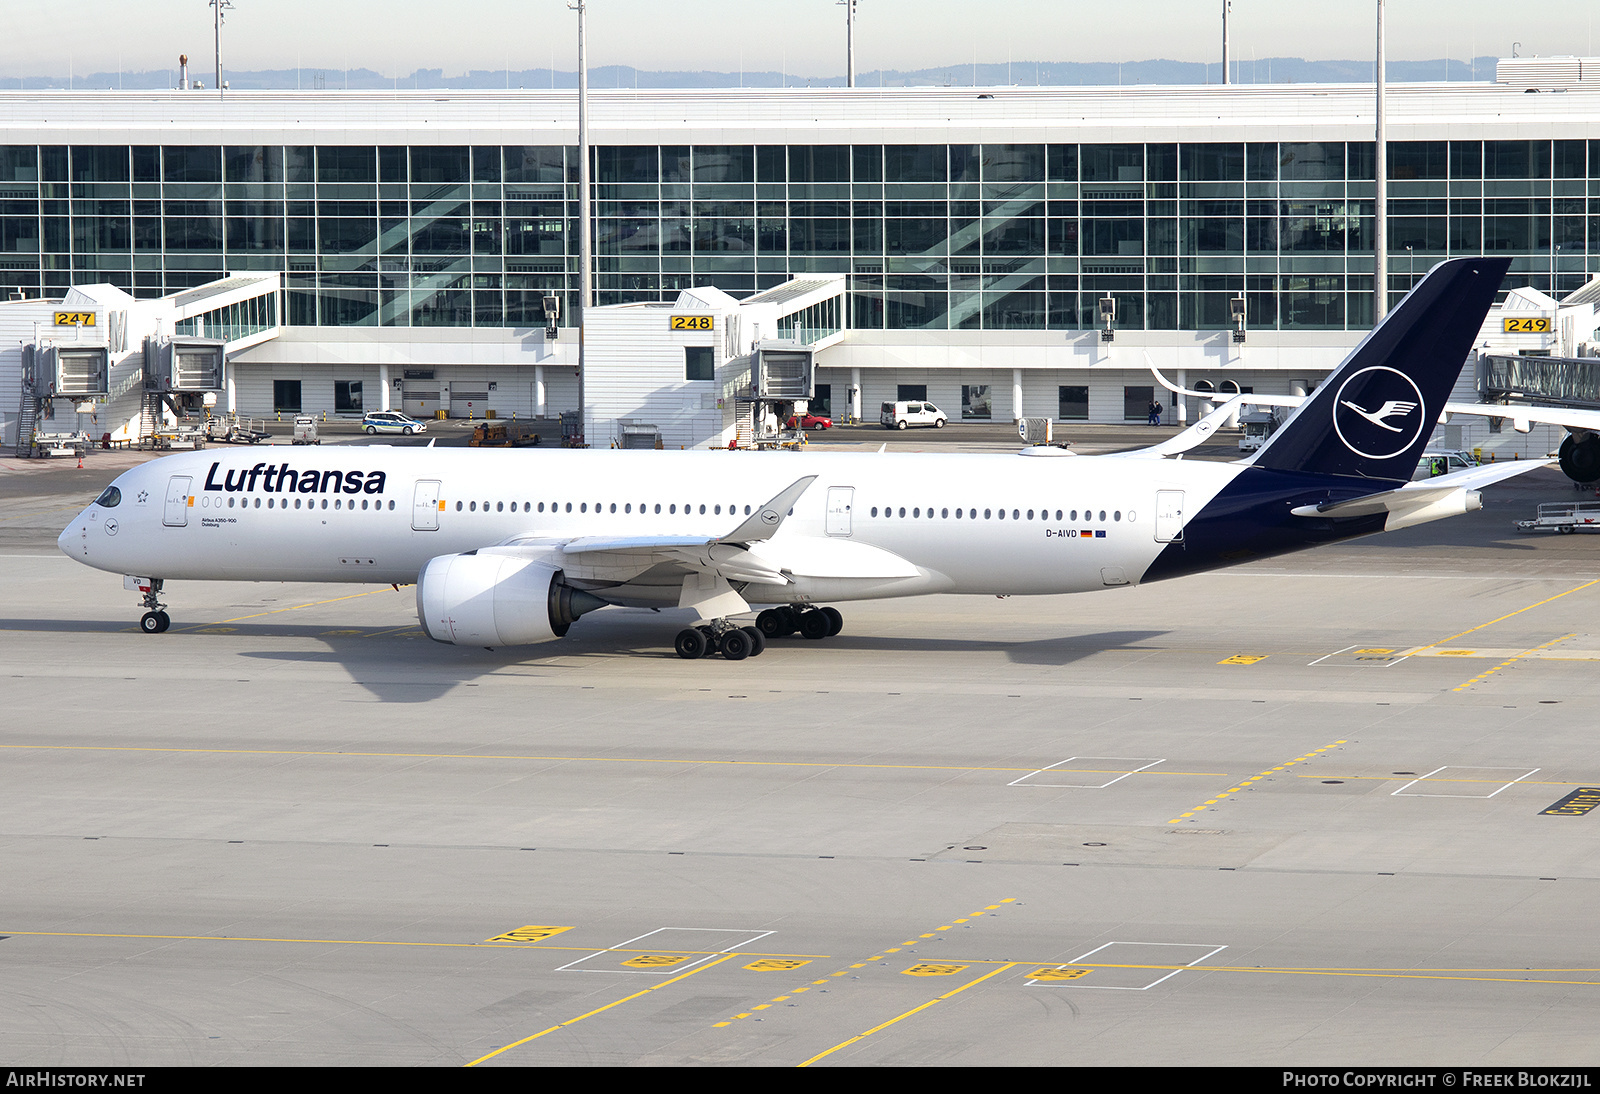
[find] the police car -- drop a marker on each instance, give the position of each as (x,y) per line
(392,421)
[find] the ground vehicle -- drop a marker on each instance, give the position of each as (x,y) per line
(1442,463)
(1564,516)
(1258,425)
(232,429)
(902,414)
(305,430)
(392,421)
(809,421)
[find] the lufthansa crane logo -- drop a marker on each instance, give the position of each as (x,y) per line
(1379,413)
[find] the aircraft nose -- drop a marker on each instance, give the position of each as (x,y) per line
(71,536)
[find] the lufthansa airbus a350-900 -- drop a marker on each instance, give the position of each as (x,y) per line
(510,547)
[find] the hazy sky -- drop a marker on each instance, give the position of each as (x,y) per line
(803,37)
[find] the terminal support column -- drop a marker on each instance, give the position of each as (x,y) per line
(1016,395)
(855,394)
(538,392)
(383,387)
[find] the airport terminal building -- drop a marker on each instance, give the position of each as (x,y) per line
(1001,252)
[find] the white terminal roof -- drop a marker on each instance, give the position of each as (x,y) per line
(1431,111)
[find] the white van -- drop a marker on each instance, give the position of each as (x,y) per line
(904,414)
(1436,462)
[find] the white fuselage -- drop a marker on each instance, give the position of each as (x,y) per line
(898,525)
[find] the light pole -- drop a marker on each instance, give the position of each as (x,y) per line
(1380,203)
(218,8)
(849,41)
(1227,5)
(585,274)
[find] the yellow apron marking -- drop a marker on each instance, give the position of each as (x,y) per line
(656,960)
(927,969)
(1508,615)
(1053,974)
(1246,783)
(529,934)
(863,964)
(909,1013)
(599,1010)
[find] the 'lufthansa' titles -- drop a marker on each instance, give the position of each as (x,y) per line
(284,479)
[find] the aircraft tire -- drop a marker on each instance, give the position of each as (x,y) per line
(1580,460)
(736,645)
(154,622)
(770,624)
(788,622)
(814,625)
(835,620)
(758,641)
(690,644)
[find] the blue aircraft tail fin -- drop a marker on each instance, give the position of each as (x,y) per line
(1373,416)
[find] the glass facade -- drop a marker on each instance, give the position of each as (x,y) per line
(931,237)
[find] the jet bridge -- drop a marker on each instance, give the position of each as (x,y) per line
(782,382)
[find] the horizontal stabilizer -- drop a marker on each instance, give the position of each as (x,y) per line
(1197,434)
(1415,495)
(1250,398)
(1567,416)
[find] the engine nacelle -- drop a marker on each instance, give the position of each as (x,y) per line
(1453,504)
(486,599)
(1580,457)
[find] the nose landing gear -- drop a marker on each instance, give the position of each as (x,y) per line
(155,620)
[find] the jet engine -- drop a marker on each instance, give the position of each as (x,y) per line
(487,599)
(1580,457)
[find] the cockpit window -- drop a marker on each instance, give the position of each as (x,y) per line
(110,498)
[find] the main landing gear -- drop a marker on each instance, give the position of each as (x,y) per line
(812,623)
(736,643)
(719,636)
(156,620)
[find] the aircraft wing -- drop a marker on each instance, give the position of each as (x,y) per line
(616,559)
(1415,496)
(1523,416)
(1198,433)
(1249,399)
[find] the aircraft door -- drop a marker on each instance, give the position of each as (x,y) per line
(176,514)
(840,499)
(1169,516)
(425,506)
